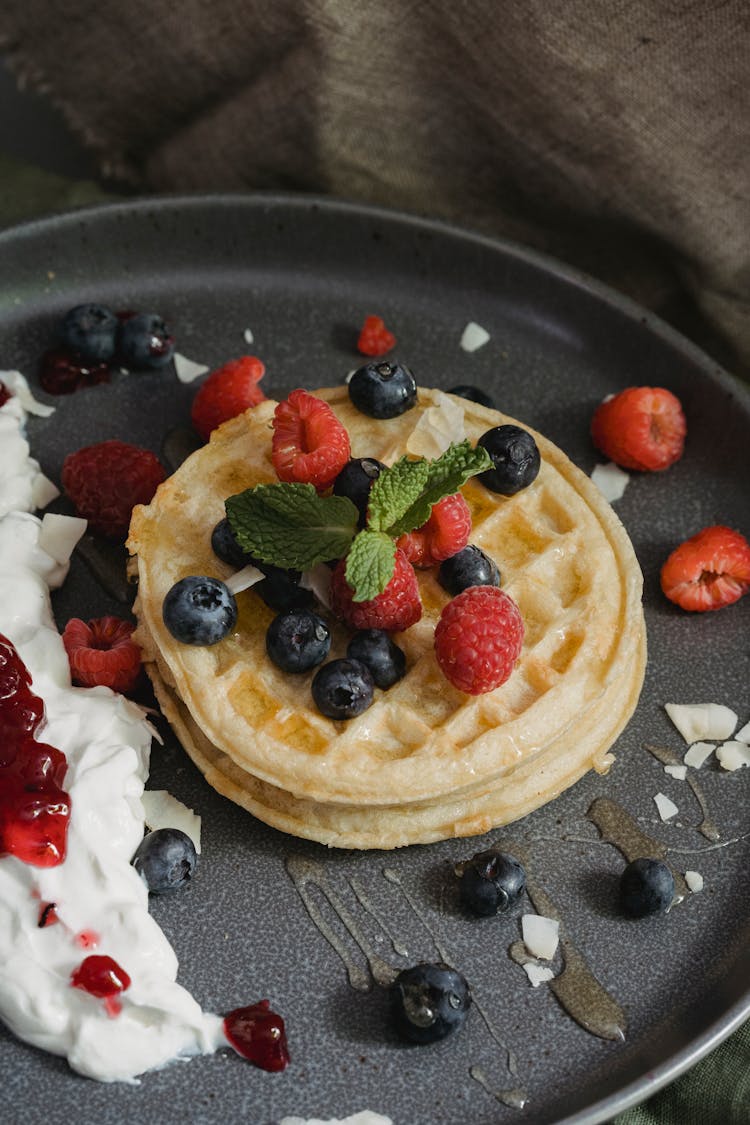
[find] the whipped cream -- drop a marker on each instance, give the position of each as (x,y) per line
(23,486)
(100,901)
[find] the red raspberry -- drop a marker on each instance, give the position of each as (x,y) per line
(640,428)
(374,337)
(478,639)
(102,653)
(310,445)
(446,532)
(105,481)
(709,570)
(227,392)
(397,608)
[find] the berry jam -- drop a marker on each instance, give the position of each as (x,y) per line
(61,373)
(34,808)
(100,976)
(258,1035)
(47,915)
(4,393)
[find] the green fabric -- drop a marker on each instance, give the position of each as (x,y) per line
(717,1090)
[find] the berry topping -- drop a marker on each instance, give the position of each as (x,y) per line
(227,392)
(355,481)
(646,887)
(89,331)
(280,589)
(709,570)
(491,882)
(470,567)
(199,610)
(640,428)
(105,481)
(374,337)
(100,976)
(298,640)
(430,1001)
(397,608)
(225,546)
(343,689)
(166,860)
(258,1034)
(5,394)
(381,654)
(446,532)
(144,341)
(102,653)
(47,915)
(515,459)
(310,445)
(478,639)
(383,390)
(473,394)
(61,373)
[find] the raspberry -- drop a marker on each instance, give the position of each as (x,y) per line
(446,533)
(478,639)
(105,481)
(61,373)
(102,653)
(227,392)
(374,337)
(397,608)
(641,428)
(310,445)
(709,570)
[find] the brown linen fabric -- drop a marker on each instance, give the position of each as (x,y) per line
(614,135)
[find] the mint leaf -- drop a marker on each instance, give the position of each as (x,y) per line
(369,566)
(290,525)
(402,497)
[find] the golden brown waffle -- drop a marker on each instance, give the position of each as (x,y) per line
(424,761)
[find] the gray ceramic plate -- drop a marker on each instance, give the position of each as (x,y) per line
(302,274)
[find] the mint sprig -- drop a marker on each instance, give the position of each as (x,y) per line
(291,526)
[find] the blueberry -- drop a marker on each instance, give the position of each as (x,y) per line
(343,689)
(89,330)
(145,341)
(473,394)
(646,887)
(199,610)
(280,589)
(165,860)
(355,481)
(383,389)
(226,547)
(298,640)
(430,1001)
(470,567)
(491,882)
(515,458)
(381,654)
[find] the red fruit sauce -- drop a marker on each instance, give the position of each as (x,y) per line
(34,807)
(47,915)
(258,1035)
(4,394)
(61,372)
(101,976)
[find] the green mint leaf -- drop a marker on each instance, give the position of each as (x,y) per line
(402,497)
(290,525)
(369,565)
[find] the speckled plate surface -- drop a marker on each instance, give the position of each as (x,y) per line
(301,275)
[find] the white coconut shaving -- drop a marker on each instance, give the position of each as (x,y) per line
(538,974)
(187,369)
(162,810)
(540,935)
(247,336)
(694,881)
(59,535)
(611,480)
(438,427)
(678,772)
(698,753)
(243,579)
(696,721)
(318,580)
(18,386)
(733,755)
(743,735)
(666,807)
(474,337)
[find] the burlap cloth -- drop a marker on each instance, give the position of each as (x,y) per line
(613,135)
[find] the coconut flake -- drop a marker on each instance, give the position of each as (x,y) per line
(438,427)
(17,385)
(667,809)
(694,881)
(350,374)
(59,535)
(733,755)
(743,735)
(474,337)
(243,579)
(540,935)
(537,974)
(247,336)
(702,720)
(611,480)
(318,579)
(187,369)
(43,491)
(697,754)
(678,772)
(162,810)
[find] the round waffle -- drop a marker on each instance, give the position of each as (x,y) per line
(425,761)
